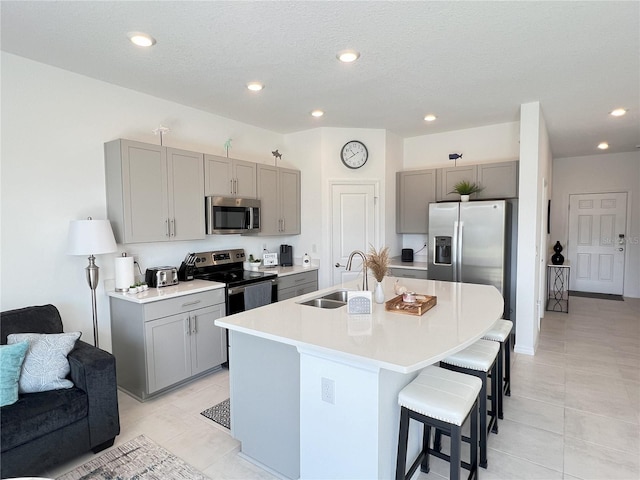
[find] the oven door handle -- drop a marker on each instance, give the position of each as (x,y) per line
(237,290)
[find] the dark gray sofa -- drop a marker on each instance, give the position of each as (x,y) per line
(44,429)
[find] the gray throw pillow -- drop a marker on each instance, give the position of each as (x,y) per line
(46,365)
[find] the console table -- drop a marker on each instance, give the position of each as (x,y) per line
(558,288)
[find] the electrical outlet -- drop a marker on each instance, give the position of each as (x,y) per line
(328,390)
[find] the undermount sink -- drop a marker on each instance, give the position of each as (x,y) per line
(330,300)
(340,296)
(323,303)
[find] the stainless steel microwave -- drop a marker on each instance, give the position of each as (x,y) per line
(232,215)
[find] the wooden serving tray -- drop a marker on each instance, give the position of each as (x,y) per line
(419,307)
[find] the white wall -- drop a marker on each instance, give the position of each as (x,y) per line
(491,143)
(535,169)
(325,145)
(54,125)
(603,173)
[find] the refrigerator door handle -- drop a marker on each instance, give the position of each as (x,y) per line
(454,253)
(459,251)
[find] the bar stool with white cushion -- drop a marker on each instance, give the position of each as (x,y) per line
(478,360)
(441,399)
(501,332)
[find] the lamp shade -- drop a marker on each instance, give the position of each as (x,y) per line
(90,237)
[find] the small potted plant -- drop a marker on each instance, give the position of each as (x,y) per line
(465,188)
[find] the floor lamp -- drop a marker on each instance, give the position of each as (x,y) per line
(91,237)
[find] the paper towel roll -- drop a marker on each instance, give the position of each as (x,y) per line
(124,273)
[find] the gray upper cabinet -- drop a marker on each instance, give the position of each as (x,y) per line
(414,191)
(229,177)
(448,177)
(498,180)
(154,193)
(279,194)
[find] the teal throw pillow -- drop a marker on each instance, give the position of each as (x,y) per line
(11,359)
(46,365)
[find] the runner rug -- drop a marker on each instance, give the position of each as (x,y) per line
(220,413)
(139,459)
(601,296)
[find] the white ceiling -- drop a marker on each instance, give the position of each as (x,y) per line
(470,63)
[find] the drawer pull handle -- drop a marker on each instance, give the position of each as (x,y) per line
(191,303)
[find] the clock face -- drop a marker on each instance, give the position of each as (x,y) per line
(354,154)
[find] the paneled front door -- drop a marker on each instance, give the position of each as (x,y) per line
(597,225)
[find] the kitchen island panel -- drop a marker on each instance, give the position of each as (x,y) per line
(265,399)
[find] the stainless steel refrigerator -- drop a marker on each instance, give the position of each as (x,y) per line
(471,242)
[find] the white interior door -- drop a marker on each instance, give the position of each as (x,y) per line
(597,224)
(353,226)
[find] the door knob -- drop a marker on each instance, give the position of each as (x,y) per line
(621,249)
(338,265)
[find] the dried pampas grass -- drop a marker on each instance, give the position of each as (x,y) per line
(378,262)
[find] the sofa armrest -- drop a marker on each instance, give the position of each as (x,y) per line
(94,371)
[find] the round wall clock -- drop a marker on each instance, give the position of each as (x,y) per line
(354,154)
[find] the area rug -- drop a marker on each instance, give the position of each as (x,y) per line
(220,413)
(138,459)
(601,296)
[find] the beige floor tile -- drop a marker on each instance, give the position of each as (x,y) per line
(605,431)
(535,413)
(202,447)
(233,467)
(588,461)
(529,443)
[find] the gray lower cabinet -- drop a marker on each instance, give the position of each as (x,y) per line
(161,344)
(407,273)
(415,190)
(297,284)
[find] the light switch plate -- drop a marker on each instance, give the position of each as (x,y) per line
(270,259)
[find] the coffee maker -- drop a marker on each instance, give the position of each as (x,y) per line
(286,256)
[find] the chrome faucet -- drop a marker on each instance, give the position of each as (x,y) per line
(365,282)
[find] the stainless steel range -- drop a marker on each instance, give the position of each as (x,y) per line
(225,266)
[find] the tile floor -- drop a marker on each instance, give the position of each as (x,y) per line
(574,412)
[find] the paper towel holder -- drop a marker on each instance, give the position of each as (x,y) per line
(124,273)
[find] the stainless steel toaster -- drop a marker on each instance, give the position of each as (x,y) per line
(161,276)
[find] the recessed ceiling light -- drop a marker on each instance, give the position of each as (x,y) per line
(618,112)
(141,39)
(317,113)
(430,117)
(348,56)
(603,145)
(255,86)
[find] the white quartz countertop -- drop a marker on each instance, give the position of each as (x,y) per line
(155,294)
(396,262)
(394,341)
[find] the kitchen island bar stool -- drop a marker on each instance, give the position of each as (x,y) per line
(478,360)
(444,400)
(501,332)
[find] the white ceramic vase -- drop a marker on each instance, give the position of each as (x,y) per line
(378,293)
(464,198)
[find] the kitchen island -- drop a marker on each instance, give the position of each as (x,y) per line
(314,391)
